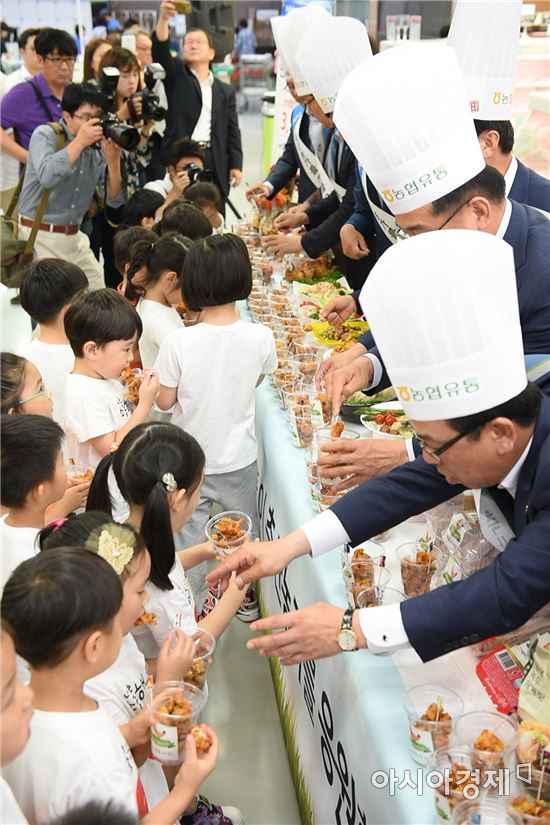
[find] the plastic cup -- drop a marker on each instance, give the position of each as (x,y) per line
(299,419)
(454,763)
(307,366)
(323,436)
(380,597)
(471,726)
(483,811)
(223,545)
(529,818)
(416,575)
(176,708)
(438,703)
(365,595)
(78,474)
(205,645)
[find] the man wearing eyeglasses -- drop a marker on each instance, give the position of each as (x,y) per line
(481,424)
(38,100)
(72,173)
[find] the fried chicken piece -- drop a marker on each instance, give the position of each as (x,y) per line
(128,378)
(337,429)
(203,742)
(196,674)
(80,478)
(228,530)
(531,807)
(487,741)
(435,713)
(148,617)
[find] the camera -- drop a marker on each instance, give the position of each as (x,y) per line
(197,173)
(150,104)
(125,136)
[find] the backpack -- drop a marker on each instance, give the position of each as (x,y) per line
(15,253)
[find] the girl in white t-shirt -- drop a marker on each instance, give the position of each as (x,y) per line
(64,606)
(155,271)
(211,371)
(159,470)
(121,689)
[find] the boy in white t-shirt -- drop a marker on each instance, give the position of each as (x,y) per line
(47,288)
(102,328)
(211,370)
(207,197)
(64,609)
(33,477)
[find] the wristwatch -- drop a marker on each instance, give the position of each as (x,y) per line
(347,640)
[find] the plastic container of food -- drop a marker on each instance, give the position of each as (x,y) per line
(228,530)
(432,711)
(176,708)
(323,436)
(486,810)
(366,594)
(418,567)
(490,736)
(454,764)
(205,645)
(380,597)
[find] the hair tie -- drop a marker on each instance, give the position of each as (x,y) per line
(58,523)
(114,543)
(170,482)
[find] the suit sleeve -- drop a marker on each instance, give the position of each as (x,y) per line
(286,166)
(362,218)
(327,234)
(234,144)
(162,55)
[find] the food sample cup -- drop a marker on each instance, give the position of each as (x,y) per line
(427,735)
(472,725)
(307,365)
(366,594)
(487,810)
(205,645)
(416,575)
(458,780)
(78,474)
(176,708)
(323,436)
(227,546)
(380,597)
(300,424)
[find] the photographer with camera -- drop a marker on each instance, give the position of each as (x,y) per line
(87,160)
(185,166)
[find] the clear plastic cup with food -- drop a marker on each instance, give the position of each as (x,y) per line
(307,365)
(325,435)
(418,563)
(205,645)
(459,780)
(365,593)
(175,709)
(78,473)
(380,597)
(486,810)
(228,530)
(529,810)
(490,736)
(432,710)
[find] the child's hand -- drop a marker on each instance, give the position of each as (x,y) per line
(73,498)
(138,730)
(197,767)
(149,387)
(175,656)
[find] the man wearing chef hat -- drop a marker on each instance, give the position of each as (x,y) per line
(344,44)
(454,351)
(485,37)
(419,145)
(306,143)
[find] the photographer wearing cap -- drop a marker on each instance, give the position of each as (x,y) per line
(72,173)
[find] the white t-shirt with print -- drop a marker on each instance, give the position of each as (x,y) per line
(93,407)
(54,362)
(167,604)
(71,759)
(158,322)
(17,544)
(121,691)
(215,369)
(9,809)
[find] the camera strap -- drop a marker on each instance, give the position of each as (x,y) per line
(132,109)
(41,99)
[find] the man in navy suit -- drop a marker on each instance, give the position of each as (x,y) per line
(524,185)
(481,425)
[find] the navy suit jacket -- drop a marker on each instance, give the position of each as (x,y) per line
(528,234)
(530,188)
(494,600)
(289,163)
(363,219)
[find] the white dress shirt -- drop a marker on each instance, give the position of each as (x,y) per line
(510,175)
(382,627)
(203,126)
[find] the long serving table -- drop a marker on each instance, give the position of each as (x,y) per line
(344,725)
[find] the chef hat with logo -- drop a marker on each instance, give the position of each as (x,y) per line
(328,52)
(406,118)
(296,24)
(485,36)
(452,342)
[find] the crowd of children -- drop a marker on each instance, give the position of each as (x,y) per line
(105,495)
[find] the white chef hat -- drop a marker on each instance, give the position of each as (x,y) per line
(451,340)
(277,26)
(290,32)
(485,36)
(406,118)
(328,52)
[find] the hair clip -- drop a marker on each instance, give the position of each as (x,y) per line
(170,482)
(58,523)
(114,543)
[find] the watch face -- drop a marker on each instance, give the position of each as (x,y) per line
(347,640)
